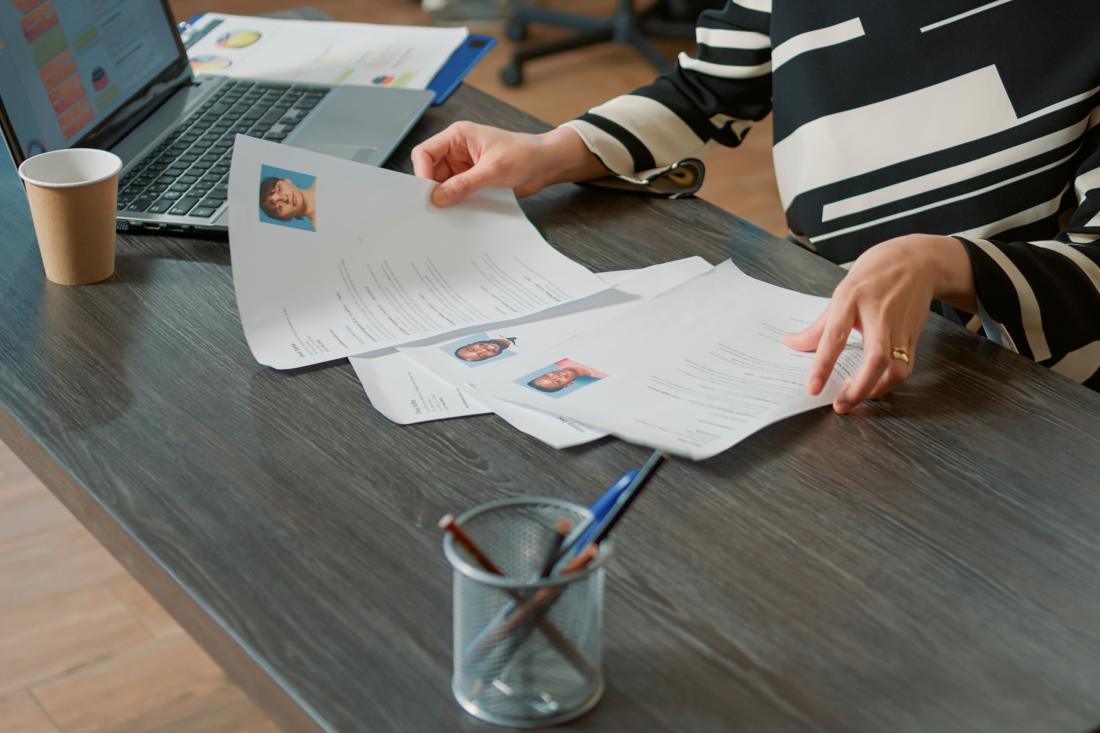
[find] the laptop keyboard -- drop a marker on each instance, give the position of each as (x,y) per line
(187,174)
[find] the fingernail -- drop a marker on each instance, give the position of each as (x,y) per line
(815,385)
(841,407)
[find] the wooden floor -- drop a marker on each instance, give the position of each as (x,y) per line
(82,647)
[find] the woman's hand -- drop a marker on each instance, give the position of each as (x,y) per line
(466,157)
(886,297)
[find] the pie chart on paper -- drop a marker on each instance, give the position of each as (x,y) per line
(208,63)
(99,79)
(238,39)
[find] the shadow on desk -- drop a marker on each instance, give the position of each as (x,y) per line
(198,247)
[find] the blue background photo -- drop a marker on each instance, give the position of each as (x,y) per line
(301,180)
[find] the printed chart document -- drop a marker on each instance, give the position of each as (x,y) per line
(692,371)
(333,258)
(309,51)
(487,352)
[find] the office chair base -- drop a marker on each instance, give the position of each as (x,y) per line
(625,27)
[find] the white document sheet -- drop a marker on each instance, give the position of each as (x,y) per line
(692,371)
(333,258)
(407,393)
(322,52)
(453,359)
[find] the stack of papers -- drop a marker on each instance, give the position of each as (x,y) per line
(307,51)
(467,310)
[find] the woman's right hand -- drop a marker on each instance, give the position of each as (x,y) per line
(467,157)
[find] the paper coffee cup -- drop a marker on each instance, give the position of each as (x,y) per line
(72,194)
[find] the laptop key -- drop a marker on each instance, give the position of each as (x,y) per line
(202,211)
(213,201)
(170,196)
(160,206)
(140,204)
(184,205)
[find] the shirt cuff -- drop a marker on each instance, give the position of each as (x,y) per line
(676,180)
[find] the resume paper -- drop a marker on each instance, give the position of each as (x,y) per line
(693,371)
(407,372)
(333,258)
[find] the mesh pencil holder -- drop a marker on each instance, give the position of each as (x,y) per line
(526,652)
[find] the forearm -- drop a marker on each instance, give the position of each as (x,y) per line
(952,273)
(566,159)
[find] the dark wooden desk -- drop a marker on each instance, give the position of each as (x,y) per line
(929,563)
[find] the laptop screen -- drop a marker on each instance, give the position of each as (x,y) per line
(66,65)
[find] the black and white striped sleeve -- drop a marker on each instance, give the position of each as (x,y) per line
(711,99)
(1042,299)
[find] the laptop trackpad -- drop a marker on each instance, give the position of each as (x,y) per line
(348,152)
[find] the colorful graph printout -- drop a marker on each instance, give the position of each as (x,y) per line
(238,39)
(207,63)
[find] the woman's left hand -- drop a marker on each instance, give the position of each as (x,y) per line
(886,297)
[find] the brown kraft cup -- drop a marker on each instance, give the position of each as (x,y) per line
(72,195)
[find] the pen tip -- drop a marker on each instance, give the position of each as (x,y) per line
(446,521)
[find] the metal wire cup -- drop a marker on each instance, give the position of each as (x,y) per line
(527,652)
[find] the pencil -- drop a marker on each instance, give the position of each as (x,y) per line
(542,597)
(449,524)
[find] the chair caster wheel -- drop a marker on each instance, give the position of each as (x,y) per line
(515,31)
(511,76)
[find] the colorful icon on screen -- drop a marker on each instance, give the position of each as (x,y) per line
(382,80)
(238,39)
(209,63)
(99,79)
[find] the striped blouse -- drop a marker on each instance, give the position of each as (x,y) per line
(963,117)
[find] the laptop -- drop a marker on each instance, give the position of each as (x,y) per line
(115,75)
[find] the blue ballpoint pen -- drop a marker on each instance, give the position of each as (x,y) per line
(599,510)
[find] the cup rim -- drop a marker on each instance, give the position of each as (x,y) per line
(477,573)
(115,168)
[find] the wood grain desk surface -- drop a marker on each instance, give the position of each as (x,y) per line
(926,564)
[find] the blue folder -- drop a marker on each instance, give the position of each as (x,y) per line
(445,81)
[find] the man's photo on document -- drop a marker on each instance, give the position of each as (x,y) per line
(477,348)
(288,198)
(562,377)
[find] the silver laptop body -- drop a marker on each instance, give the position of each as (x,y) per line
(173,130)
